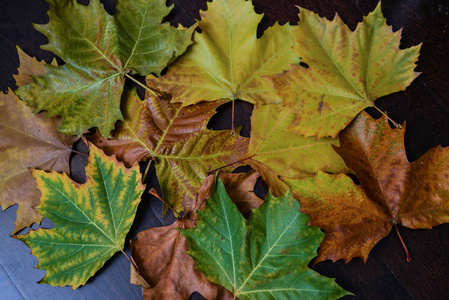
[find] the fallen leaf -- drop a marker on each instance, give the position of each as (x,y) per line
(160,254)
(240,188)
(392,191)
(347,71)
(273,151)
(263,257)
(91,220)
(99,51)
(176,138)
(227,60)
(28,140)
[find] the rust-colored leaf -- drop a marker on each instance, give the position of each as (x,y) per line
(392,191)
(240,188)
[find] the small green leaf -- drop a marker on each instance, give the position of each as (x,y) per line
(265,257)
(91,220)
(99,50)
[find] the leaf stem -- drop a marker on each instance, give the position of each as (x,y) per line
(131,261)
(232,116)
(397,125)
(153,192)
(80,153)
(154,93)
(409,258)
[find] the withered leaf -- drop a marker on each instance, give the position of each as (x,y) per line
(392,191)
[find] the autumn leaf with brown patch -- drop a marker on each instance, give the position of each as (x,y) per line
(393,191)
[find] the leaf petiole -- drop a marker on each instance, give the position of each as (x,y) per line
(407,254)
(154,93)
(397,125)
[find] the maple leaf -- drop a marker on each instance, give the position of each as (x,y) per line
(160,254)
(265,256)
(347,71)
(99,50)
(227,60)
(91,220)
(392,191)
(275,152)
(28,140)
(176,138)
(240,188)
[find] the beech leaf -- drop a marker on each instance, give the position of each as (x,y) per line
(91,220)
(347,71)
(263,257)
(392,191)
(227,60)
(28,140)
(99,50)
(177,139)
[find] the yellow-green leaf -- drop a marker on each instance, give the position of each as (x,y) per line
(91,220)
(274,151)
(227,60)
(347,71)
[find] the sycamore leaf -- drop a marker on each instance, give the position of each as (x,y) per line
(160,254)
(227,60)
(28,140)
(99,50)
(240,188)
(263,257)
(275,152)
(392,191)
(347,71)
(176,138)
(91,220)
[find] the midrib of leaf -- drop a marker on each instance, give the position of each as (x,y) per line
(138,36)
(76,206)
(98,82)
(234,282)
(378,181)
(266,255)
(231,60)
(108,199)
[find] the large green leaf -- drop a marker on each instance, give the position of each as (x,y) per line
(227,60)
(265,257)
(347,71)
(91,220)
(99,50)
(176,138)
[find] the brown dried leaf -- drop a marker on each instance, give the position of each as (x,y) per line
(160,254)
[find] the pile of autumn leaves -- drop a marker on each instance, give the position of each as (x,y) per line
(297,146)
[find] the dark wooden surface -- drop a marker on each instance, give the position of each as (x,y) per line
(425,107)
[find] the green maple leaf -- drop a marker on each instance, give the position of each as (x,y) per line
(260,258)
(347,71)
(227,60)
(99,50)
(176,138)
(91,220)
